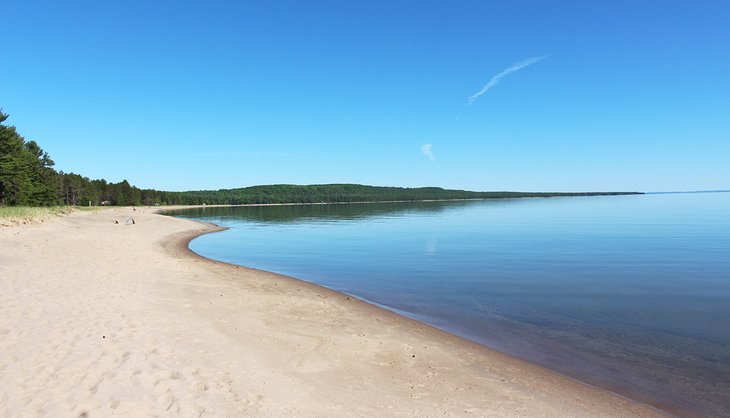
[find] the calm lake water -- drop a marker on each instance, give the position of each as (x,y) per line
(629,293)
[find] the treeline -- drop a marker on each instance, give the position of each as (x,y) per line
(27,178)
(327,193)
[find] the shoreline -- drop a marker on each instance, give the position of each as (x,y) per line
(162,209)
(612,390)
(299,347)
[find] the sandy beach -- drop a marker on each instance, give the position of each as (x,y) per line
(100,319)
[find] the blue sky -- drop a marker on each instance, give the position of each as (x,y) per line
(629,95)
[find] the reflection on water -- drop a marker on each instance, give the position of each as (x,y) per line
(631,293)
(314,212)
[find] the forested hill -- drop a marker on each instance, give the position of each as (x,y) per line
(27,178)
(324,193)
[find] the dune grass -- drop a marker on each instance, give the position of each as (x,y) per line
(14,215)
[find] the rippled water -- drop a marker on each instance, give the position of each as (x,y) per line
(630,293)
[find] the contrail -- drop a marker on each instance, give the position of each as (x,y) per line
(497,78)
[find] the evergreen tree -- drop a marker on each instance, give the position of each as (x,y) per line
(14,165)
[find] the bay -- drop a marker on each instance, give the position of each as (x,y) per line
(628,293)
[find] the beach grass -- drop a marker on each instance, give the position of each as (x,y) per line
(14,215)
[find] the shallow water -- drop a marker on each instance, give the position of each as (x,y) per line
(630,293)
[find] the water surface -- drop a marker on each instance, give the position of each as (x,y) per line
(630,293)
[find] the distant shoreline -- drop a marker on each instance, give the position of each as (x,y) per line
(335,193)
(690,191)
(598,194)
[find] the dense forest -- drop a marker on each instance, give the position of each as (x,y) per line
(27,178)
(322,193)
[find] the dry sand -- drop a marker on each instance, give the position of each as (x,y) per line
(101,319)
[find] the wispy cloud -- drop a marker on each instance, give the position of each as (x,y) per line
(507,71)
(427,151)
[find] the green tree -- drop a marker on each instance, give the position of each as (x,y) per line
(14,172)
(41,190)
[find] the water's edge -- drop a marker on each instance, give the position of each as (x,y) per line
(621,392)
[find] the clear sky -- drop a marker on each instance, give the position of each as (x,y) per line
(481,95)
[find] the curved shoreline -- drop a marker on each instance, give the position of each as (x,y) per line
(102,318)
(183,245)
